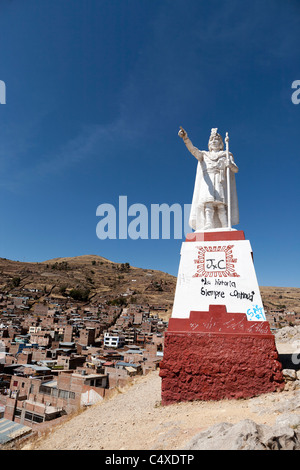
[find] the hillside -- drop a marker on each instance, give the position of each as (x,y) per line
(287,298)
(105,280)
(101,278)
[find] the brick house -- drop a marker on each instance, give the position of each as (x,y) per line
(34,400)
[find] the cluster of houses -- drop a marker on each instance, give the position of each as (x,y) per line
(281,317)
(56,358)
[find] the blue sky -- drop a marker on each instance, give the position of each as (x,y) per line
(95,93)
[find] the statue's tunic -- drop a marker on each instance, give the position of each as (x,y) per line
(214,178)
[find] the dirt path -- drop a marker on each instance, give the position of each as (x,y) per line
(134,420)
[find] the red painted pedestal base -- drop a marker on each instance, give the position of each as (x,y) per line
(215,355)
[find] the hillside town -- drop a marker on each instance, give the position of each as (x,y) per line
(281,317)
(59,356)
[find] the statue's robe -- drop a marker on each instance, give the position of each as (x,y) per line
(211,186)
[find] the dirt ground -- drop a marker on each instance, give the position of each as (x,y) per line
(135,420)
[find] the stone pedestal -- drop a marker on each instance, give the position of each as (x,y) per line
(215,355)
(218,344)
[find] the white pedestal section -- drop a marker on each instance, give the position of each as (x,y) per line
(217,273)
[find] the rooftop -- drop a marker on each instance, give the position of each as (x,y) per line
(10,430)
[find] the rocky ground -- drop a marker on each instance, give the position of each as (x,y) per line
(135,420)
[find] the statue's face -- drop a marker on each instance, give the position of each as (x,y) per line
(215,143)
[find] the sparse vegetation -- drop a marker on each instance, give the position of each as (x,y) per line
(120,302)
(124,267)
(16,281)
(63,266)
(63,289)
(80,294)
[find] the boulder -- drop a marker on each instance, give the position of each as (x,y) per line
(247,435)
(289,374)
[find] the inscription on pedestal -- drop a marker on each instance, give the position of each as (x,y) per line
(217,273)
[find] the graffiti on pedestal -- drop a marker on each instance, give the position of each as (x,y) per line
(256,313)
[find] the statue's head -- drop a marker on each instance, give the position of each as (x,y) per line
(215,141)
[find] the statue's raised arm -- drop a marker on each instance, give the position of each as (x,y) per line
(194,150)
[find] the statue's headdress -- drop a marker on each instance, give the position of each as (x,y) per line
(213,133)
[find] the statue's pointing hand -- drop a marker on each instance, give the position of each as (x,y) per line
(182,133)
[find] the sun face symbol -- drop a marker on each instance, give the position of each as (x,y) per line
(215,261)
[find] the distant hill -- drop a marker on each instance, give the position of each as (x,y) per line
(278,298)
(83,259)
(100,277)
(103,279)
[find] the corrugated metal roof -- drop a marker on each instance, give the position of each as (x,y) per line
(33,366)
(9,430)
(134,351)
(126,364)
(50,383)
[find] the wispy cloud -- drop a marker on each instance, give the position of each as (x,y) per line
(92,141)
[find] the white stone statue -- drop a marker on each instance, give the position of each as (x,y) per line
(215,188)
